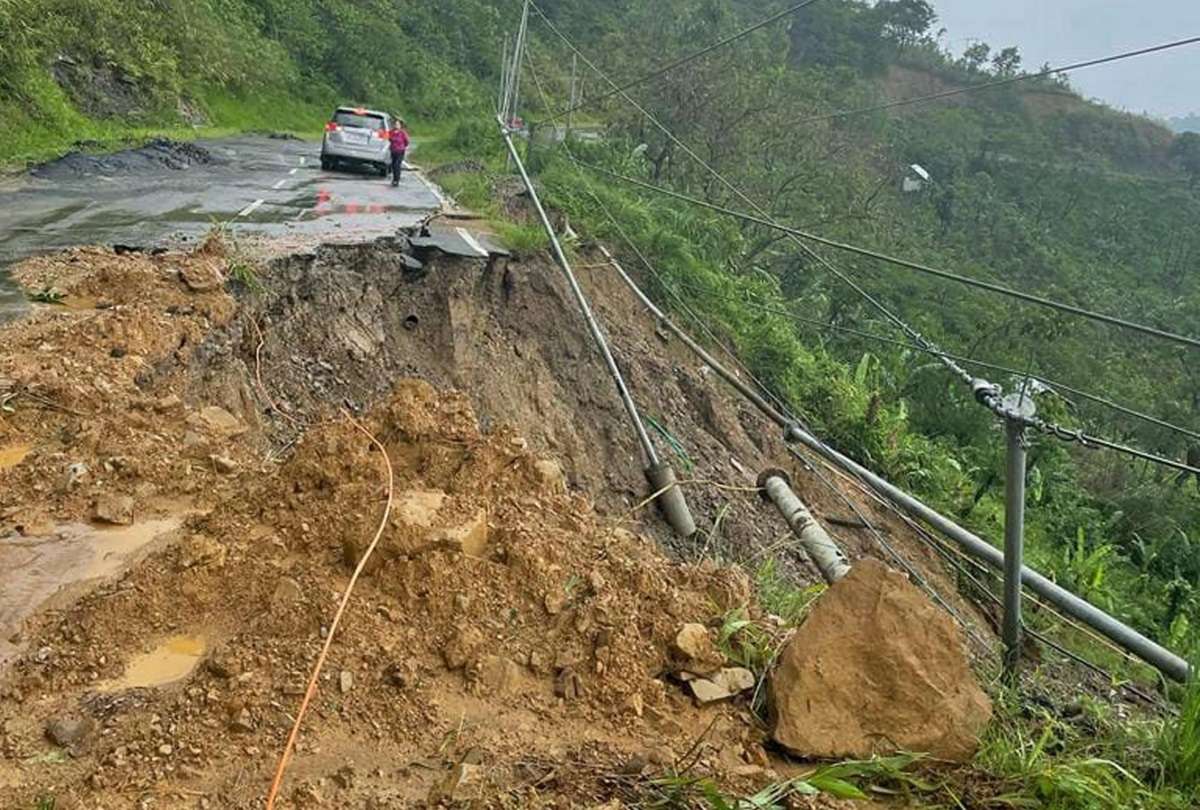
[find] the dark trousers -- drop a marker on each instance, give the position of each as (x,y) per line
(397,167)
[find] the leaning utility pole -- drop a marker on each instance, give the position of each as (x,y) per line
(661,476)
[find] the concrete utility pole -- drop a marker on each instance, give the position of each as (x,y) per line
(815,541)
(659,473)
(574,93)
(1014,530)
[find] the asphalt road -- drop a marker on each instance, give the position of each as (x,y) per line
(259,186)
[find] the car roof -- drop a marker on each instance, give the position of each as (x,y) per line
(361,111)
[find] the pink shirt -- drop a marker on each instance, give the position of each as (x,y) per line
(399,140)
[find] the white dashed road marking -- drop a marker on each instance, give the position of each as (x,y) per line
(251,208)
(293,171)
(279,184)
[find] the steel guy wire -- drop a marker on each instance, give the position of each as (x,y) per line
(1095,398)
(985,393)
(891,105)
(947,275)
(677,63)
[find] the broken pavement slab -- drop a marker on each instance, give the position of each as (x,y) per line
(876,669)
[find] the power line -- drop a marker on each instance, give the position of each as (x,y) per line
(678,63)
(999,289)
(891,105)
(720,178)
(985,393)
(1048,428)
(1095,398)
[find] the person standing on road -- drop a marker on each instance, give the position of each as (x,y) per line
(399,138)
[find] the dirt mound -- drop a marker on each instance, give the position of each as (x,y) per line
(505,632)
(510,642)
(877,669)
(157,155)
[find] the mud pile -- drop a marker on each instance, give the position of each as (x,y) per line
(511,644)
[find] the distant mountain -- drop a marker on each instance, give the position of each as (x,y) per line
(1186,123)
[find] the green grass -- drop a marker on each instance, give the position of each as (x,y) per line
(32,135)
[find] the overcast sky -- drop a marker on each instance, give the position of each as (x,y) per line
(1064,31)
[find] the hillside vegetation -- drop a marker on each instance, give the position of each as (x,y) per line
(1033,188)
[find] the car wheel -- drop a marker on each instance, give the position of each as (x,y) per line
(384,169)
(326,163)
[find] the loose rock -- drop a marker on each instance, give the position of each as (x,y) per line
(695,651)
(877,668)
(114,509)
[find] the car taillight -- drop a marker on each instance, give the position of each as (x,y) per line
(332,127)
(382,133)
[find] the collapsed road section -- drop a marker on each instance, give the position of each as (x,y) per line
(518,631)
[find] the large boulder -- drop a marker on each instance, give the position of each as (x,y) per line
(875,669)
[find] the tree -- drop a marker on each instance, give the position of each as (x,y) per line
(1007,62)
(905,21)
(1185,151)
(976,56)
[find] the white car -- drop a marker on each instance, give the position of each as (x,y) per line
(356,136)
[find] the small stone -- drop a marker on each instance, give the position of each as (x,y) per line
(166,750)
(114,509)
(220,421)
(287,592)
(242,722)
(551,476)
(201,277)
(168,403)
(345,681)
(498,675)
(461,647)
(722,685)
(695,650)
(223,464)
(70,731)
(555,601)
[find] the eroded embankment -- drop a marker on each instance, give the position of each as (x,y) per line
(509,642)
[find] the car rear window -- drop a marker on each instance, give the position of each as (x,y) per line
(346,118)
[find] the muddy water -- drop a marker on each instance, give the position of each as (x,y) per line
(171,661)
(40,571)
(13,454)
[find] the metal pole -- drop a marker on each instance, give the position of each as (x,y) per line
(574,92)
(1014,545)
(815,541)
(502,106)
(671,499)
(1120,634)
(518,61)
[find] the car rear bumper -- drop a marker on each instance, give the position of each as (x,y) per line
(367,153)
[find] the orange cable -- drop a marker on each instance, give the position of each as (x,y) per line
(311,691)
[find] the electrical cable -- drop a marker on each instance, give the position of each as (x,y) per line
(891,105)
(678,63)
(1095,398)
(986,393)
(988,286)
(987,396)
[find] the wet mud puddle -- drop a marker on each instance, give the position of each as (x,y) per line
(171,661)
(40,571)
